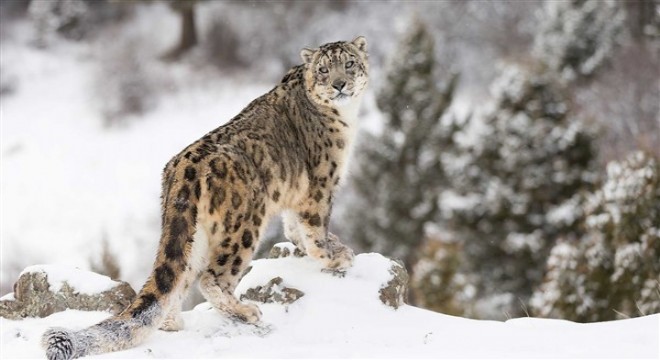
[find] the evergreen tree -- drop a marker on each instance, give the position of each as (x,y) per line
(527,161)
(577,36)
(399,171)
(614,271)
(518,181)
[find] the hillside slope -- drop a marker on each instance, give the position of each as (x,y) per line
(343,317)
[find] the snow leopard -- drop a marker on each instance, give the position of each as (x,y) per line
(284,153)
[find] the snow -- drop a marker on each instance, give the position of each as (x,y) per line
(515,242)
(626,259)
(565,213)
(341,317)
(625,182)
(84,282)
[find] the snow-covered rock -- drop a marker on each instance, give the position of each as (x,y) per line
(273,291)
(42,290)
(278,279)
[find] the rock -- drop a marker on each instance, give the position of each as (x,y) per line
(381,279)
(45,289)
(395,292)
(285,249)
(273,291)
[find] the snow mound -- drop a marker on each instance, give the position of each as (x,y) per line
(342,317)
(369,274)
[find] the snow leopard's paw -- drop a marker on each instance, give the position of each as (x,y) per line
(173,322)
(247,313)
(341,256)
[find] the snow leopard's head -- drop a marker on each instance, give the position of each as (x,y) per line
(337,72)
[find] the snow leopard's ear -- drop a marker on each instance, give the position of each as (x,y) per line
(307,55)
(360,42)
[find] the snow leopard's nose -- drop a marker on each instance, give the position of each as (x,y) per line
(339,85)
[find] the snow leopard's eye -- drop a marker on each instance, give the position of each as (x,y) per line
(323,70)
(349,64)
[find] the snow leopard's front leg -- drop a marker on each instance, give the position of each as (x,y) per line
(312,228)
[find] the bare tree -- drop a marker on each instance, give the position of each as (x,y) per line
(188,35)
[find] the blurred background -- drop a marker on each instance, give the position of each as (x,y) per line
(508,152)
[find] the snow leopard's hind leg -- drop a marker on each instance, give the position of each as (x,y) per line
(228,260)
(234,219)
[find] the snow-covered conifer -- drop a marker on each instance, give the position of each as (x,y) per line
(516,184)
(577,36)
(399,170)
(614,271)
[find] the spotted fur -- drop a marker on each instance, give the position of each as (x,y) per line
(284,153)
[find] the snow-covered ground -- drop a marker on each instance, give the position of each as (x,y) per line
(343,318)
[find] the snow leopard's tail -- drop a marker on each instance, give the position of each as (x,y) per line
(116,333)
(162,293)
